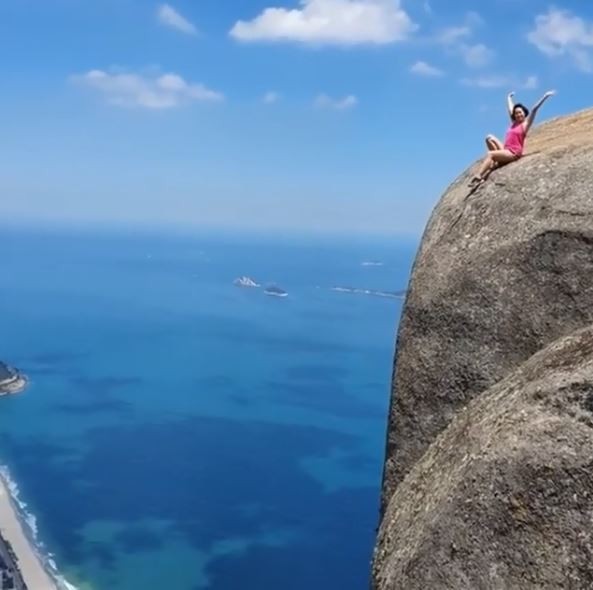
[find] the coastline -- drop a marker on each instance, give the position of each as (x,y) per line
(30,567)
(18,385)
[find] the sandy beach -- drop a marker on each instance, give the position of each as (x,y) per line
(32,571)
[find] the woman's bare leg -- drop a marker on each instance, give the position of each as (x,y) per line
(493,159)
(493,143)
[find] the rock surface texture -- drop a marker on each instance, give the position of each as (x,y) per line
(504,498)
(501,273)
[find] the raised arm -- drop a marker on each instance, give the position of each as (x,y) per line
(538,104)
(510,103)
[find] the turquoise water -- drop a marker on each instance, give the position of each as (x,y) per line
(185,433)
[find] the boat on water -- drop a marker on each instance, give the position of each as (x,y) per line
(245,281)
(275,291)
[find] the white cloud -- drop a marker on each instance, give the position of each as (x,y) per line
(559,33)
(476,56)
(473,19)
(421,68)
(456,34)
(491,81)
(531,83)
(452,35)
(500,81)
(456,41)
(169,17)
(337,22)
(161,91)
(270,97)
(323,101)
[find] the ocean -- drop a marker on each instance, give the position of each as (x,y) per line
(181,432)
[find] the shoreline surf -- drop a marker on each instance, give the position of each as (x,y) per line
(18,528)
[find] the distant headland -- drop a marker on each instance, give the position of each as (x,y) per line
(11,381)
(373,292)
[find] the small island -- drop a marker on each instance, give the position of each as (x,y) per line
(245,282)
(275,291)
(11,381)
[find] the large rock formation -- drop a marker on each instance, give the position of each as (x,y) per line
(501,273)
(503,499)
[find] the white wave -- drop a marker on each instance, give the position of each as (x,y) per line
(64,584)
(31,530)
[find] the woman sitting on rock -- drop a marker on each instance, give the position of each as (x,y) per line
(500,154)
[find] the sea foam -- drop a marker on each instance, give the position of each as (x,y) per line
(31,530)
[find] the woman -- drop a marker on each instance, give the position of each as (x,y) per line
(512,149)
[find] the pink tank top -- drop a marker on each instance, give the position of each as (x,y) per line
(515,139)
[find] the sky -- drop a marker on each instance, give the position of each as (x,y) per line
(286,115)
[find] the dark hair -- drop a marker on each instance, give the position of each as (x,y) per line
(522,107)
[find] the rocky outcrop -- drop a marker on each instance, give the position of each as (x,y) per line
(500,273)
(487,480)
(503,499)
(11,381)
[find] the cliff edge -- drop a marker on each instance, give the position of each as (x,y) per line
(500,275)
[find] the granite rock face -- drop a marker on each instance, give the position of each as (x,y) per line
(500,273)
(503,499)
(489,454)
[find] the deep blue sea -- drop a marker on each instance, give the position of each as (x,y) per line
(181,432)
